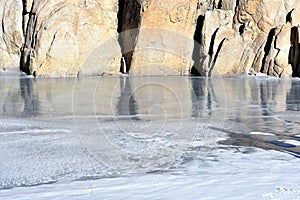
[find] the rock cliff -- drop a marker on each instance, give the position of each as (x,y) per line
(151,37)
(11,33)
(59,35)
(248,36)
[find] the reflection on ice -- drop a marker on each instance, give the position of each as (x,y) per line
(151,126)
(97,126)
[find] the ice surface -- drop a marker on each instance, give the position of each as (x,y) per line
(234,175)
(149,138)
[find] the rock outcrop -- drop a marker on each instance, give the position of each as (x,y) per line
(11,33)
(151,37)
(165,44)
(61,34)
(240,37)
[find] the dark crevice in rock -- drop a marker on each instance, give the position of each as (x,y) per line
(29,43)
(267,49)
(220,4)
(289,16)
(52,42)
(216,56)
(197,51)
(129,18)
(218,50)
(199,29)
(294,53)
(24,13)
(242,29)
(3,23)
(120,15)
(212,43)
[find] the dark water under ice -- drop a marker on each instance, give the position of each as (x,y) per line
(147,128)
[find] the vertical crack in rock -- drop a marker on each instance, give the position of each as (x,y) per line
(25,62)
(294,55)
(2,26)
(267,49)
(129,18)
(220,4)
(198,49)
(212,43)
(242,29)
(289,16)
(24,13)
(216,56)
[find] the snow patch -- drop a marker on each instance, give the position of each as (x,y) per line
(292,142)
(262,133)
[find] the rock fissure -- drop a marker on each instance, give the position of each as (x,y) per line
(129,19)
(26,51)
(267,50)
(198,44)
(289,16)
(294,54)
(212,43)
(49,50)
(216,57)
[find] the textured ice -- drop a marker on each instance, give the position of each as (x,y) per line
(149,138)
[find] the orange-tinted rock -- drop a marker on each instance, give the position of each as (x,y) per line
(79,37)
(165,42)
(65,34)
(11,33)
(252,6)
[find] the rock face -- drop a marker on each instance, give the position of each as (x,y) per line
(165,44)
(60,35)
(151,37)
(239,37)
(11,32)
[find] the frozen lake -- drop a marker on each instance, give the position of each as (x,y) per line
(149,138)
